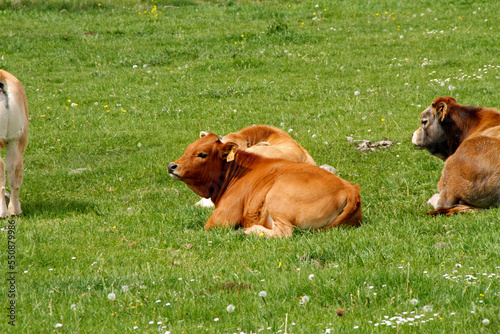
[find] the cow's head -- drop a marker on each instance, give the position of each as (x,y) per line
(202,165)
(431,135)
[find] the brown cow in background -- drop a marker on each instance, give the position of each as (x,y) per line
(468,139)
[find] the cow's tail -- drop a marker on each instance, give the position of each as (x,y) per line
(459,208)
(351,214)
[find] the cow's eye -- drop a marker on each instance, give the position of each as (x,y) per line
(202,155)
(424,121)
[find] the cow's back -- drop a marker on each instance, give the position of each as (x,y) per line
(270,142)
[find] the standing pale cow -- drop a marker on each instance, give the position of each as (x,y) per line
(13,136)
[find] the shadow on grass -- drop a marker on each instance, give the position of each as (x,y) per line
(60,208)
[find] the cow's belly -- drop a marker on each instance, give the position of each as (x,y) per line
(11,121)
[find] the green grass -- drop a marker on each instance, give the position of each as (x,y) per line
(143,87)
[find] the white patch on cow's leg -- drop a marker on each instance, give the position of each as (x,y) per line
(269,224)
(329,168)
(3,204)
(205,203)
(15,176)
(434,200)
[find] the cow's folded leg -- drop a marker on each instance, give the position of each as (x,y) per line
(447,199)
(259,230)
(279,229)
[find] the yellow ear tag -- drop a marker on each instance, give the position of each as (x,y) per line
(230,156)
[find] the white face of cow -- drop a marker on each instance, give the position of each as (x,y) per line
(430,134)
(201,165)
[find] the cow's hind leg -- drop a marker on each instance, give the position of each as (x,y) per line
(3,204)
(14,159)
(447,199)
(274,228)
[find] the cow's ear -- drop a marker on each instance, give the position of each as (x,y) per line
(442,110)
(228,150)
(203,134)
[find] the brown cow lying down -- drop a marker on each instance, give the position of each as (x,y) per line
(266,141)
(468,139)
(262,195)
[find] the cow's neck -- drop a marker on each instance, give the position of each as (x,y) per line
(231,173)
(462,122)
(454,137)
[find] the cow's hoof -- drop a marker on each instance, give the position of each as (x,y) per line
(256,229)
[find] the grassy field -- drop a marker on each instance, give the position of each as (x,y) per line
(109,243)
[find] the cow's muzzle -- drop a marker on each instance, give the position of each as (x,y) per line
(171,170)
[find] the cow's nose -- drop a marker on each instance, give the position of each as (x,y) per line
(171,167)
